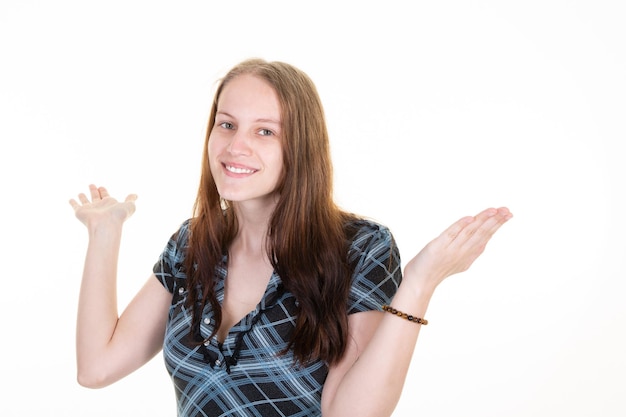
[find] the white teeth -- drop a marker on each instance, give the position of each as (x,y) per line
(236,170)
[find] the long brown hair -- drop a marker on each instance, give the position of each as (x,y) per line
(307,242)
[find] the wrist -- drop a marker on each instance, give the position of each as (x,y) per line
(419,287)
(102,229)
(421,280)
(412,298)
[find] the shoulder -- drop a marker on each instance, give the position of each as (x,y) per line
(172,258)
(179,239)
(375,261)
(182,234)
(367,235)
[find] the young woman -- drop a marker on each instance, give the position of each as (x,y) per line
(270,300)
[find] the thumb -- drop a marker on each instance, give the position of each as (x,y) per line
(129,202)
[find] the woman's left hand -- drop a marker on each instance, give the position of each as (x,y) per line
(454,250)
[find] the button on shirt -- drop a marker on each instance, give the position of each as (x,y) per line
(247,375)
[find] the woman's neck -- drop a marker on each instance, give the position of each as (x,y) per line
(253,221)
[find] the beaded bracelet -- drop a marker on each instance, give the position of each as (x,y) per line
(414,319)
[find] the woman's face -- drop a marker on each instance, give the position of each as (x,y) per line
(245,150)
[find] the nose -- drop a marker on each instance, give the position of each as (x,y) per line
(239,144)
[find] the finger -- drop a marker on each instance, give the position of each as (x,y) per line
(130,203)
(504,211)
(471,226)
(492,225)
(486,224)
(104,193)
(131,198)
(456,228)
(83,198)
(486,214)
(95,194)
(74,204)
(468,226)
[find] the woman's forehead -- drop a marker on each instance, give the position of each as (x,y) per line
(249,93)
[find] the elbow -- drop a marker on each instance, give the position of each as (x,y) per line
(88,383)
(91,378)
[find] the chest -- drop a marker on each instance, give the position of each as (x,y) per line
(257,339)
(249,366)
(245,285)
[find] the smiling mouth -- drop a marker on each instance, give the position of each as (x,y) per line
(238,170)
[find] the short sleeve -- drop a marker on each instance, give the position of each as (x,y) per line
(169,268)
(377,268)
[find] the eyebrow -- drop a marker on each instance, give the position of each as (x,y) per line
(260,120)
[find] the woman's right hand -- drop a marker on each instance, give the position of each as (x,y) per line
(102,207)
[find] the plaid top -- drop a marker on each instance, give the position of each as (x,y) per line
(246,375)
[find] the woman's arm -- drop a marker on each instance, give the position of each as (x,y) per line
(108,346)
(368,381)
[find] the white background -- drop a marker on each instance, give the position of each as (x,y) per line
(436,109)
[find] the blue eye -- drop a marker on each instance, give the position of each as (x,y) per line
(226,125)
(266,132)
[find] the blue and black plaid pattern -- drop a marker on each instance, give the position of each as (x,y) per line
(246,375)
